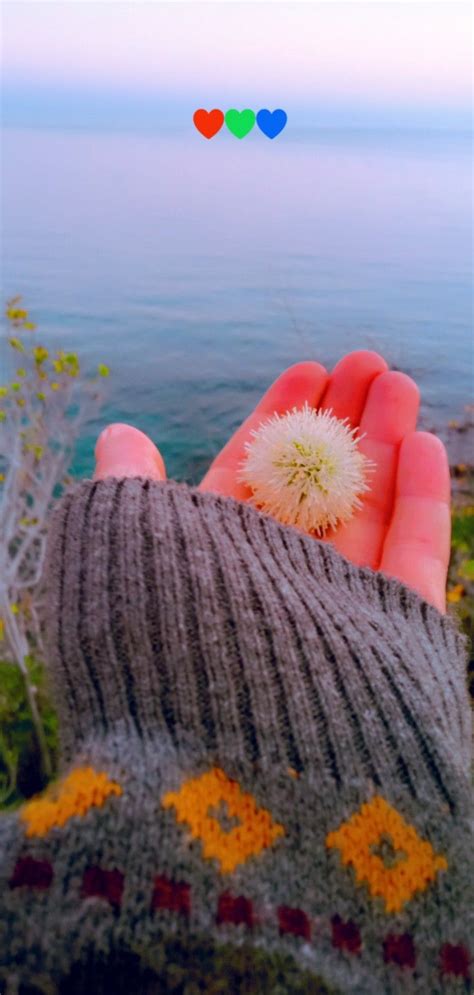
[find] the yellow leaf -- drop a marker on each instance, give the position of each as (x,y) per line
(40,354)
(21,402)
(2,629)
(2,478)
(103,370)
(3,391)
(16,344)
(2,416)
(29,325)
(16,314)
(21,372)
(54,386)
(71,362)
(41,396)
(15,609)
(455,593)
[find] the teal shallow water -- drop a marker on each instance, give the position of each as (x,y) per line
(199,270)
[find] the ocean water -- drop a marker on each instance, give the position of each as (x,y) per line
(199,270)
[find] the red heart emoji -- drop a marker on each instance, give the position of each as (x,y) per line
(208,122)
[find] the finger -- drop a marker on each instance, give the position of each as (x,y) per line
(349,383)
(299,383)
(124,451)
(417,545)
(390,413)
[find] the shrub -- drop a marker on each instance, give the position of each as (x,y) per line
(43,408)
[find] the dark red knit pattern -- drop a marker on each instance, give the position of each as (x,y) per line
(399,949)
(32,873)
(236,910)
(345,935)
(172,895)
(294,921)
(455,960)
(176,897)
(100,883)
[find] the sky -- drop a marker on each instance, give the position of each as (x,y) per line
(147,63)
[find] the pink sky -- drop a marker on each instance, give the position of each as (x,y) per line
(379,52)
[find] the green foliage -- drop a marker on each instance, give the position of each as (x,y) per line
(43,408)
(463,529)
(461,577)
(42,374)
(38,367)
(20,766)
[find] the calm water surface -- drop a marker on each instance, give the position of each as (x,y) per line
(199,270)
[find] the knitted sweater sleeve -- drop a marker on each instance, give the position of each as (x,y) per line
(265,765)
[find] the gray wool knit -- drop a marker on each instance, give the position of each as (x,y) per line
(265,779)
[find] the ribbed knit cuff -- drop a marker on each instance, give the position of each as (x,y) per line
(178,613)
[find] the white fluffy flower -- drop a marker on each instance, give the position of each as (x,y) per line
(305,469)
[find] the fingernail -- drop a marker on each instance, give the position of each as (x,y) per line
(124,451)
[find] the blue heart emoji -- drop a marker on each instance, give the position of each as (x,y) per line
(271,122)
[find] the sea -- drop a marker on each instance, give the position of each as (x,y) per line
(198,270)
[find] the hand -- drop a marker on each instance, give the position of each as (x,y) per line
(403,528)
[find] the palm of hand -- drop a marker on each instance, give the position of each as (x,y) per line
(403,528)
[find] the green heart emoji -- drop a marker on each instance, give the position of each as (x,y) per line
(240,122)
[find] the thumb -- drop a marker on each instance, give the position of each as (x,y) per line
(124,451)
